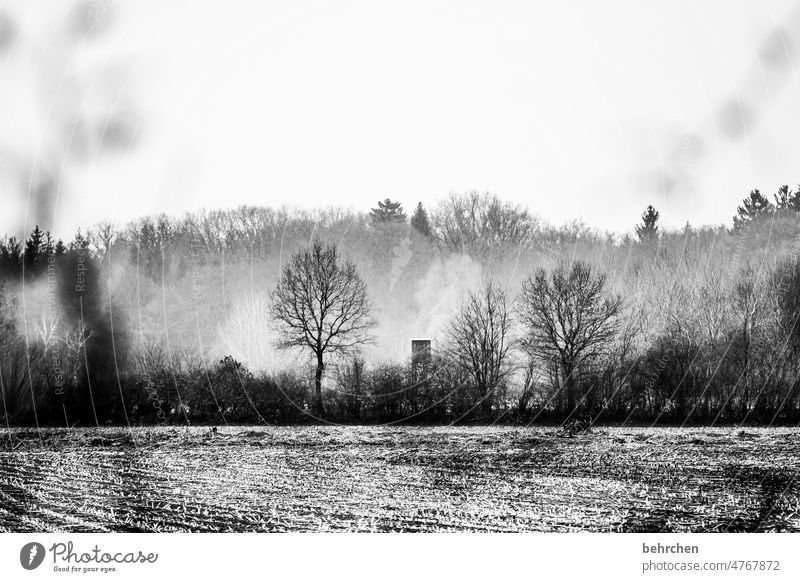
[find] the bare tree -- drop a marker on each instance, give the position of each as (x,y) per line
(321,304)
(480,339)
(532,371)
(568,319)
(479,224)
(749,299)
(102,237)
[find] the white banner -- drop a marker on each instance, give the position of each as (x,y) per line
(379,558)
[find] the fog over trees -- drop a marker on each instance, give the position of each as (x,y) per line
(275,315)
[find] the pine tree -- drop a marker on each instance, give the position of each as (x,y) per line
(80,242)
(12,256)
(648,230)
(786,199)
(34,249)
(755,205)
(48,247)
(60,249)
(388,211)
(8,265)
(420,220)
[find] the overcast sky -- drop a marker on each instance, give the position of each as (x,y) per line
(111,110)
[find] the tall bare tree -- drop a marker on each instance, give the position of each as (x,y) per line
(480,339)
(568,318)
(321,304)
(749,299)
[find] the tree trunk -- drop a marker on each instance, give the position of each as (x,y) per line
(318,409)
(746,392)
(488,400)
(569,379)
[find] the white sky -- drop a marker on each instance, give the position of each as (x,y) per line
(577,109)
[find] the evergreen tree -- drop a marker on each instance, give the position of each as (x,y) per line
(648,229)
(420,220)
(755,205)
(60,249)
(786,199)
(80,242)
(48,246)
(388,211)
(15,253)
(10,257)
(34,250)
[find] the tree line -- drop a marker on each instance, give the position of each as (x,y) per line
(697,325)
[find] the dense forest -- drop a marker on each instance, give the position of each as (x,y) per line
(219,317)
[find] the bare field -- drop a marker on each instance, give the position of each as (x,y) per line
(495,479)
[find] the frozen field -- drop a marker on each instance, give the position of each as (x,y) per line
(399,479)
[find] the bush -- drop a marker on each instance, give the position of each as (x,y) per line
(182,389)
